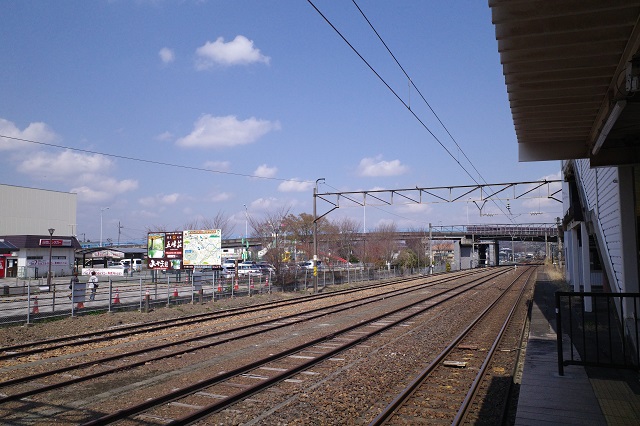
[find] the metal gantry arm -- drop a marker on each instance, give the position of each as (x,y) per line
(415,195)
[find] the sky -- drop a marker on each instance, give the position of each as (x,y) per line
(159,113)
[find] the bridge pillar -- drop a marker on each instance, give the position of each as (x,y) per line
(496,252)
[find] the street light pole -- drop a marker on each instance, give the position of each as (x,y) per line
(246,230)
(315,238)
(102,209)
(51,231)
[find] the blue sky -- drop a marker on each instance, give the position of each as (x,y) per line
(263,93)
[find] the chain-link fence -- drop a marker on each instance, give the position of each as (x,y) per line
(30,300)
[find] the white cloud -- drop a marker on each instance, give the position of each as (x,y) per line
(265,171)
(164,136)
(264,204)
(167,55)
(542,202)
(109,188)
(65,165)
(240,51)
(38,132)
(375,167)
(415,208)
(220,196)
(160,200)
(227,131)
(295,186)
(219,166)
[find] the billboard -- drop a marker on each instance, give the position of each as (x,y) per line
(164,250)
(184,249)
(202,248)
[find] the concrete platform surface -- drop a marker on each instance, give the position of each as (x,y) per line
(583,396)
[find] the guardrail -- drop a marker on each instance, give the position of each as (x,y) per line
(602,329)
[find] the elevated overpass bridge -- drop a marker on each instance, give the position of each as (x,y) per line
(541,232)
(474,244)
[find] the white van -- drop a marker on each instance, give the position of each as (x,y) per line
(132,264)
(136,264)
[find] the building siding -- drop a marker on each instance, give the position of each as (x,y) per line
(601,193)
(34,211)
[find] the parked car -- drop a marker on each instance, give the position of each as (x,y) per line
(309,264)
(266,268)
(249,269)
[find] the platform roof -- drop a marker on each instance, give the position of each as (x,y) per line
(564,64)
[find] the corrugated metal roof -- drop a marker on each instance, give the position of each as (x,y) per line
(564,65)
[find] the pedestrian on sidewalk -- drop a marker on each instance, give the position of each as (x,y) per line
(93,285)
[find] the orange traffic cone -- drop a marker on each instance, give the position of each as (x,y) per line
(219,288)
(266,282)
(116,298)
(36,310)
(235,287)
(175,292)
(80,305)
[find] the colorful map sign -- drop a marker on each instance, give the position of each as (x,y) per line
(202,248)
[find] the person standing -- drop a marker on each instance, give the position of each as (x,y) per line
(93,285)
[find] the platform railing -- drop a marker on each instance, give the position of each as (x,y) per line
(601,329)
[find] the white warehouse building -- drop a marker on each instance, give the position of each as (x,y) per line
(33,211)
(26,217)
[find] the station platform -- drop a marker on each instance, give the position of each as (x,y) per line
(583,396)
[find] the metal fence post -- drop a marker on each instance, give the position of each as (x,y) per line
(110,296)
(28,305)
(559,335)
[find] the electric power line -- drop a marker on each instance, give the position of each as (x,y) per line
(407,106)
(154,162)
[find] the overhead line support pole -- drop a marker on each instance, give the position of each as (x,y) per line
(315,238)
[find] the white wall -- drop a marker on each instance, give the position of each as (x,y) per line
(28,211)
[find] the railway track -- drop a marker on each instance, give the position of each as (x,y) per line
(186,403)
(193,403)
(29,348)
(455,387)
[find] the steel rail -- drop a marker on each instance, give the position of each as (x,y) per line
(406,393)
(204,383)
(472,393)
(322,311)
(103,335)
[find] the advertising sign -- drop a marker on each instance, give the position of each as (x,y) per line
(202,248)
(164,250)
(55,242)
(173,250)
(184,249)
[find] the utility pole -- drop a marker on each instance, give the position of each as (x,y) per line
(119,228)
(315,238)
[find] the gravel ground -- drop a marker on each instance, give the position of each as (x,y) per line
(14,334)
(349,389)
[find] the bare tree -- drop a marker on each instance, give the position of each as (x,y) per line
(219,221)
(382,244)
(418,244)
(158,228)
(341,235)
(270,230)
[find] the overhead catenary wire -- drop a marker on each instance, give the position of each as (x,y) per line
(406,105)
(383,210)
(155,162)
